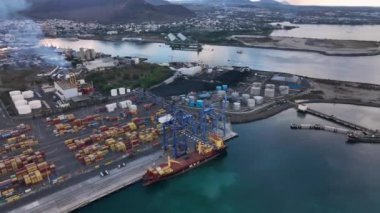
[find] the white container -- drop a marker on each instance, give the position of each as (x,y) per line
(113,92)
(128,90)
(36,104)
(165,119)
(255,90)
(269,92)
(122,91)
(14,92)
(258,99)
(245,96)
(251,103)
(20,103)
(17,98)
(237,106)
(284,90)
(28,94)
(24,110)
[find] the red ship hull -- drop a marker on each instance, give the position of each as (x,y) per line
(185,164)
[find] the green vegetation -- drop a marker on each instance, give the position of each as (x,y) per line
(142,75)
(221,36)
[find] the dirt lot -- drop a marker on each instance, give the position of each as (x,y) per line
(324,46)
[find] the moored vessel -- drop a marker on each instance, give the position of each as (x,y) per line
(203,153)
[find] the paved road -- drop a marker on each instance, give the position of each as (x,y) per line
(81,194)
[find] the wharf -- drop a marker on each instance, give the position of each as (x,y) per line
(321,128)
(337,120)
(83,193)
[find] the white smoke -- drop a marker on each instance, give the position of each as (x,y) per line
(9,8)
(26,33)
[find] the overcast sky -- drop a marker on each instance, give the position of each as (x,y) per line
(337,2)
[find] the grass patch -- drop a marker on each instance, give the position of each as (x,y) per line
(142,75)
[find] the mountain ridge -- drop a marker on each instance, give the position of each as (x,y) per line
(107,11)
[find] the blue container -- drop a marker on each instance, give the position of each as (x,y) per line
(191,103)
(200,103)
(225,87)
(218,88)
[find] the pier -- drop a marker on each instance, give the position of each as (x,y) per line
(334,119)
(321,128)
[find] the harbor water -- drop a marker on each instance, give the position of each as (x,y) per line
(289,171)
(339,32)
(360,69)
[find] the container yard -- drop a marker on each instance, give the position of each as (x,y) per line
(44,152)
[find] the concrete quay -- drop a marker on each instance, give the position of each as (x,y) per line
(83,193)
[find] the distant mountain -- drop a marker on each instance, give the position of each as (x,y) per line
(157,2)
(108,11)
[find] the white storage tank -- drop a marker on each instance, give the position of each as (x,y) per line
(122,91)
(111,107)
(251,103)
(256,84)
(129,102)
(284,90)
(24,110)
(191,97)
(255,90)
(20,103)
(270,86)
(36,104)
(269,92)
(133,108)
(235,94)
(221,93)
(17,98)
(123,104)
(245,96)
(226,104)
(258,99)
(28,94)
(14,92)
(113,92)
(237,106)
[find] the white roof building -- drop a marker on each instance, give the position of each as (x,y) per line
(66,90)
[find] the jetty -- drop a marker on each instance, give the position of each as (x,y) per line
(333,118)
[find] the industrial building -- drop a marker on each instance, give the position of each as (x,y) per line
(66,90)
(293,81)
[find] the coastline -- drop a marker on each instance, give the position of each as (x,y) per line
(328,47)
(238,43)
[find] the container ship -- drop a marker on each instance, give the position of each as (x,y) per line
(202,154)
(364,137)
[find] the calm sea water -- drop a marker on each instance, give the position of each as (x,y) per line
(340,32)
(361,69)
(270,168)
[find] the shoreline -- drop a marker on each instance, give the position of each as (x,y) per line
(239,43)
(251,116)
